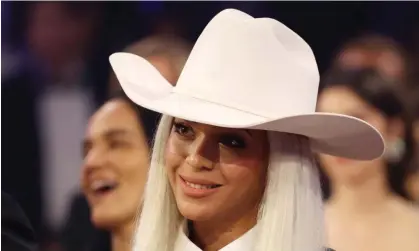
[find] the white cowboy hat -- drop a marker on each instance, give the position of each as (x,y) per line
(246,72)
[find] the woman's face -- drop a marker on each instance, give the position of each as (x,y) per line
(216,173)
(115,164)
(339,99)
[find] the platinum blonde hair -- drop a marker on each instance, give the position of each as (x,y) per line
(290,215)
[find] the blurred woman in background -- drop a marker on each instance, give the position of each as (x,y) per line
(168,54)
(116,161)
(368,207)
(388,57)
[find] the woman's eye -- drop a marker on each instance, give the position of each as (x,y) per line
(183,129)
(116,144)
(233,142)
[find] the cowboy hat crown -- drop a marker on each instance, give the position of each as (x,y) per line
(257,66)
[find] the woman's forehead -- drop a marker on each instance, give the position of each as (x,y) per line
(113,115)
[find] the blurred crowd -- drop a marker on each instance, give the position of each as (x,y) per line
(63,113)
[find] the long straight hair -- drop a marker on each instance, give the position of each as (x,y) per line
(290,215)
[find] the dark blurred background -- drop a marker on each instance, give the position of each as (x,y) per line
(55,73)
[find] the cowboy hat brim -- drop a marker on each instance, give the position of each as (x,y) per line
(332,134)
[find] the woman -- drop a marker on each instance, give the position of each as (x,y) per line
(78,231)
(231,165)
(368,206)
(116,150)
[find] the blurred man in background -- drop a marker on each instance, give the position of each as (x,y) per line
(376,51)
(49,99)
(168,53)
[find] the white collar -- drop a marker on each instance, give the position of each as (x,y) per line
(243,243)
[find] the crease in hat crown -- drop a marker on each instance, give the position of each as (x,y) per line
(256,65)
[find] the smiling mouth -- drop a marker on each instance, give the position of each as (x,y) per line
(200,186)
(102,187)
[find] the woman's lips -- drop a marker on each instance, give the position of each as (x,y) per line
(198,188)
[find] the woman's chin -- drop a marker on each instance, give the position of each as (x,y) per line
(102,223)
(196,217)
(105,220)
(195,212)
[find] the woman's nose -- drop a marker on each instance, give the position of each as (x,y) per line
(203,153)
(95,158)
(198,162)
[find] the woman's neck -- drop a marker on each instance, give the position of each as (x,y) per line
(122,237)
(213,235)
(363,197)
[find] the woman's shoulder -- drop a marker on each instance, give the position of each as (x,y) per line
(407,210)
(410,226)
(407,221)
(412,216)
